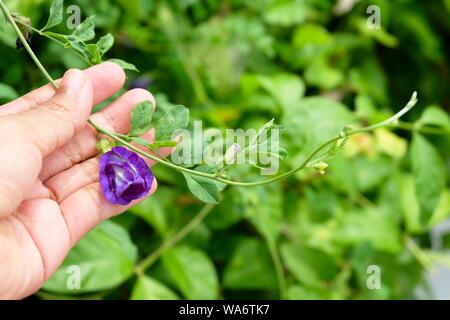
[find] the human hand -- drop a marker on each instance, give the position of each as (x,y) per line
(50,194)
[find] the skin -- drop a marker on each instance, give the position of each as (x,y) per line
(50,195)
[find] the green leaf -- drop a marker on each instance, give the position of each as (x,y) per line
(193,272)
(442,211)
(287,13)
(147,288)
(409,204)
(60,37)
(309,266)
(141,118)
(152,211)
(320,74)
(429,175)
(311,122)
(297,292)
(124,65)
(105,43)
(7,92)
(250,267)
(106,258)
(94,54)
(163,144)
(375,225)
(56,14)
(435,116)
(176,117)
(286,89)
(263,207)
(203,188)
(86,30)
(80,47)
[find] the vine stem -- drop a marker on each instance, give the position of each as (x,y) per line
(153,257)
(27,47)
(117,137)
(343,135)
(43,34)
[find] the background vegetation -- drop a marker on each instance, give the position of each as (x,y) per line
(315,67)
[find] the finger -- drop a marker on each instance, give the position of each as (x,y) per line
(87,207)
(83,174)
(106,78)
(29,136)
(115,117)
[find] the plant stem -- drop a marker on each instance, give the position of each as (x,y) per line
(417,252)
(274,254)
(44,34)
(118,137)
(27,47)
(304,164)
(423,129)
(153,257)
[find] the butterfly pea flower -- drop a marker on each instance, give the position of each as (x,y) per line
(124,176)
(19,44)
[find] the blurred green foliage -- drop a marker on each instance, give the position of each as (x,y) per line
(314,66)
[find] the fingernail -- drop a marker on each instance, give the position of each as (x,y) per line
(73,81)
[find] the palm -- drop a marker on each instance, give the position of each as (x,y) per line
(64,202)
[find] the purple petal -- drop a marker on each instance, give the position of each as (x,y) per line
(124,176)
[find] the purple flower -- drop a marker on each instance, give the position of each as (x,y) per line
(124,176)
(19,44)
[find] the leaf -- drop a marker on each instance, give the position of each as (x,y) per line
(375,225)
(106,258)
(141,118)
(163,144)
(435,116)
(86,30)
(124,65)
(147,288)
(176,117)
(250,267)
(442,211)
(193,272)
(285,88)
(287,13)
(311,122)
(56,14)
(7,92)
(309,266)
(152,211)
(320,74)
(297,292)
(203,188)
(94,54)
(61,37)
(105,43)
(263,207)
(429,175)
(80,47)
(409,204)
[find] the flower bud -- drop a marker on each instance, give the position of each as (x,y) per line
(320,167)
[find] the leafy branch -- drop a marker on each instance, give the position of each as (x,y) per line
(207,185)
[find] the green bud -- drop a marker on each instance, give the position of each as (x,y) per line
(320,167)
(105,145)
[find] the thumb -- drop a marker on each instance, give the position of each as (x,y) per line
(27,137)
(56,122)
